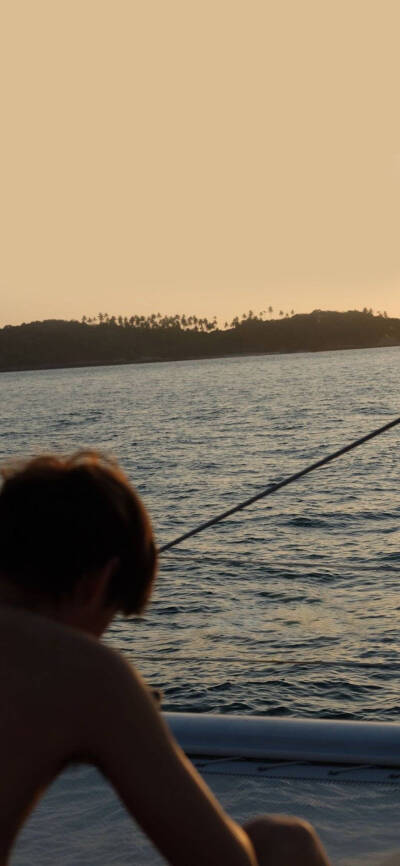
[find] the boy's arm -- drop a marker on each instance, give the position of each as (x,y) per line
(128,740)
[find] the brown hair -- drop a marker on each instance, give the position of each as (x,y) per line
(63,517)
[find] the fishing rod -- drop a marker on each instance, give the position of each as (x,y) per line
(274,487)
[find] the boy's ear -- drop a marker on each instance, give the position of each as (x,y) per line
(93,588)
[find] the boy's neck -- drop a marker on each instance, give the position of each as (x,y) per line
(64,611)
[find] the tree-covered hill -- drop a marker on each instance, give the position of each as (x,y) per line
(118,340)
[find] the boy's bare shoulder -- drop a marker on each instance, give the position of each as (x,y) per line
(56,660)
(63,682)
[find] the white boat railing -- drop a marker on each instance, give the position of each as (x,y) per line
(287,739)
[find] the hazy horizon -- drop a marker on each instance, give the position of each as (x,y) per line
(209,158)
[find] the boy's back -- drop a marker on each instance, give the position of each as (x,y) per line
(43,668)
(68,698)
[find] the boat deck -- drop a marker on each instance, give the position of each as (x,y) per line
(354,806)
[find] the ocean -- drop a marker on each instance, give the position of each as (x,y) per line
(291,607)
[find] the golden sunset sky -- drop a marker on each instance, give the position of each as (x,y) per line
(201,157)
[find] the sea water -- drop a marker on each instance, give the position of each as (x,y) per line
(291,607)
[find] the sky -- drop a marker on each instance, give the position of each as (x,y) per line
(198,157)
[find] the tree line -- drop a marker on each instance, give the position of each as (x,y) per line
(181,320)
(110,339)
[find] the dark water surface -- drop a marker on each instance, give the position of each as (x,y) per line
(291,607)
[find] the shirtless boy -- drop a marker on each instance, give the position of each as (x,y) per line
(76,548)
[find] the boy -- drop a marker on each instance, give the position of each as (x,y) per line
(76,547)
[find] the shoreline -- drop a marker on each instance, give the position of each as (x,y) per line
(120,362)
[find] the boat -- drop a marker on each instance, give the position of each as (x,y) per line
(342,776)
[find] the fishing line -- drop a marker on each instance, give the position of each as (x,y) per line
(274,487)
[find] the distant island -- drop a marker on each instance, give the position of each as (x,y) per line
(106,339)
